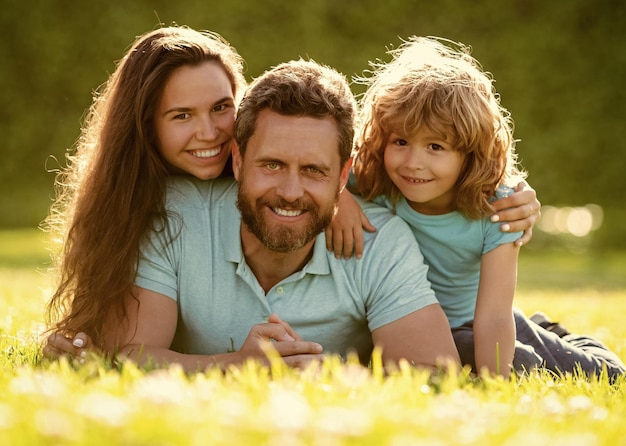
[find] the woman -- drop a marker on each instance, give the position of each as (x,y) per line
(168,108)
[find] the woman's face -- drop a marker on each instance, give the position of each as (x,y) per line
(194,120)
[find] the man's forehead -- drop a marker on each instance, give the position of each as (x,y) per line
(302,137)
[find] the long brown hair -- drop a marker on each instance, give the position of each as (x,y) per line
(440,87)
(112,191)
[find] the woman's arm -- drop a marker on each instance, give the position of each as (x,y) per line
(518,212)
(494,326)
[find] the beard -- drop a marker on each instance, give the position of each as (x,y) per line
(283,237)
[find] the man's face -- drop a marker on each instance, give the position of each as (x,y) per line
(290,179)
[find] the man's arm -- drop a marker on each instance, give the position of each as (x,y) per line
(423,338)
(152,320)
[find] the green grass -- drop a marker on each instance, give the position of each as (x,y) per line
(341,404)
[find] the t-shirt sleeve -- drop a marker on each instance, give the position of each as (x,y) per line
(395,271)
(159,259)
(492,234)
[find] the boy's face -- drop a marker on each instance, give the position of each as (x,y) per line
(425,168)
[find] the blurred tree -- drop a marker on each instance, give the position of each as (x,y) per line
(558,65)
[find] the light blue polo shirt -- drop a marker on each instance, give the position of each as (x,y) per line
(334,302)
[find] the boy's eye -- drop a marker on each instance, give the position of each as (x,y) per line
(436,147)
(400,142)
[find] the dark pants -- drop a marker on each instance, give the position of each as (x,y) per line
(536,347)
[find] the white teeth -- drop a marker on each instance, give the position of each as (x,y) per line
(206,153)
(286,213)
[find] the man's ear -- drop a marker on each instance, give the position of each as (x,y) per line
(237,161)
(345,173)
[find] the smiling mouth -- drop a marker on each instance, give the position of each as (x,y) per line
(206,153)
(416,180)
(287,212)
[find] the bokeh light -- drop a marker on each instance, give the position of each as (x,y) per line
(576,221)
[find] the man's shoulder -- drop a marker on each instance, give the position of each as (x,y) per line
(380,216)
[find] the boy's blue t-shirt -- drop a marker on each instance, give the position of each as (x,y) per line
(452,246)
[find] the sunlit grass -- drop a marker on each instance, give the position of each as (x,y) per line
(340,404)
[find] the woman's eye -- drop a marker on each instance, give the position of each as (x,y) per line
(182,116)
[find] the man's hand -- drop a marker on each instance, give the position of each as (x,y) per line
(284,340)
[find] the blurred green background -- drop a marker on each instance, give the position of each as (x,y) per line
(559,66)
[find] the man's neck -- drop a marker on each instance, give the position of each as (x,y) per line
(268,266)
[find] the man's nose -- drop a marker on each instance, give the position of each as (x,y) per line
(290,187)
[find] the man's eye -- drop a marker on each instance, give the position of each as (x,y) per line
(272,166)
(220,107)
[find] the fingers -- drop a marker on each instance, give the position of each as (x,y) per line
(525,238)
(521,218)
(273,318)
(358,243)
(302,361)
(329,238)
(58,345)
(365,223)
(82,340)
(287,343)
(344,243)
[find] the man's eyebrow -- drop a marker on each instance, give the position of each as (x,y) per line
(322,167)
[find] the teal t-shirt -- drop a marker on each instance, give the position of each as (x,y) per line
(452,246)
(335,302)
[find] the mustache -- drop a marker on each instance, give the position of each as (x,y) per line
(299,204)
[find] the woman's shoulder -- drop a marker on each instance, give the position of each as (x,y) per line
(190,191)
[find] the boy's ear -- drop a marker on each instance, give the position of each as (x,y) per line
(237,161)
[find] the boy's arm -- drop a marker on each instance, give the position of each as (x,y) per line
(344,235)
(494,326)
